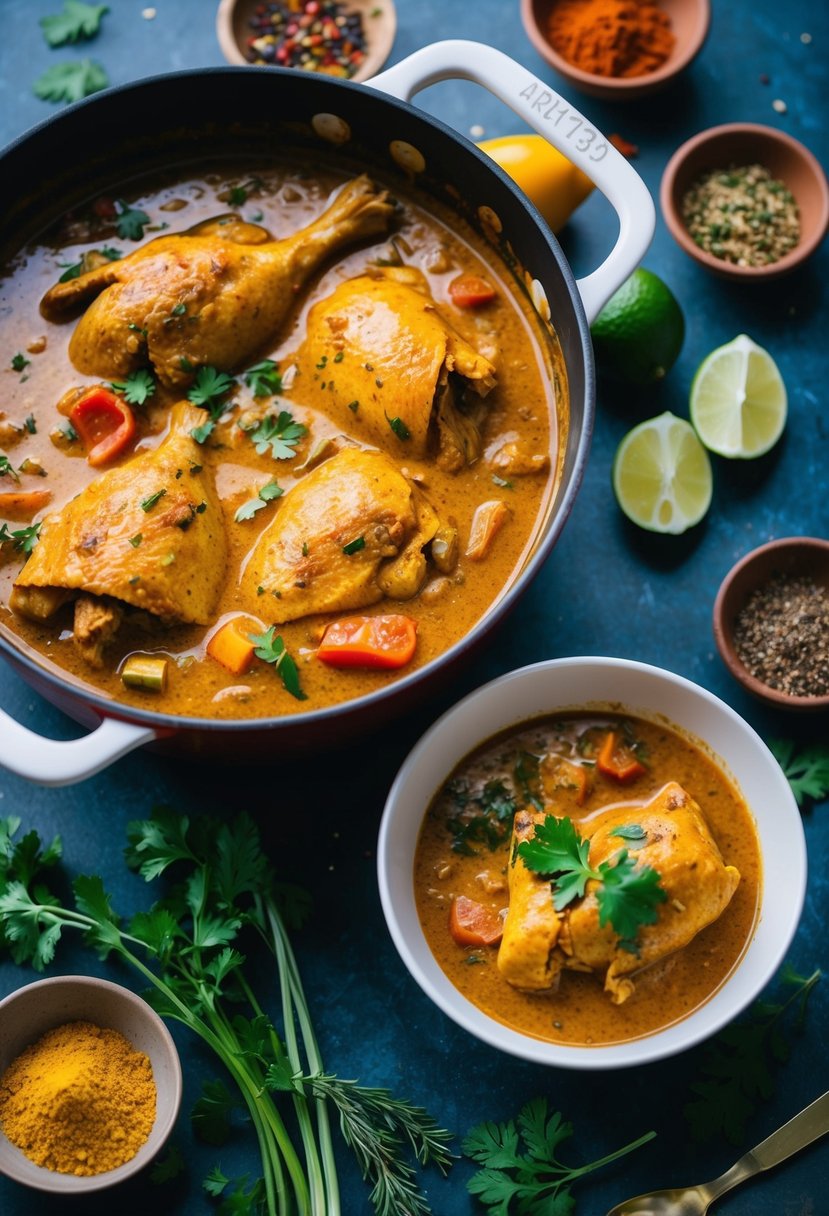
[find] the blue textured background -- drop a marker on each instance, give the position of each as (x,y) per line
(607,589)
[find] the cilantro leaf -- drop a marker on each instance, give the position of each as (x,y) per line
(806,769)
(150,501)
(535,1179)
(280,433)
(23,539)
(19,362)
(265,495)
(263,379)
(209,386)
(738,1065)
(131,222)
(7,469)
(399,427)
(70,81)
(156,843)
(627,893)
(215,1182)
(138,387)
(354,546)
(76,22)
(212,1112)
(272,649)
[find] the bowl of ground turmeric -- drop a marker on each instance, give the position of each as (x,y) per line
(90,1084)
(617,49)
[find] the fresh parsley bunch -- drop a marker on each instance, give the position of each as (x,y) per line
(187,948)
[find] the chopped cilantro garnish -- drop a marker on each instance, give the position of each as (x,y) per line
(30,424)
(272,650)
(399,427)
(6,467)
(354,546)
(136,540)
(354,406)
(138,387)
(148,503)
(280,433)
(267,494)
(131,222)
(263,379)
(209,386)
(24,539)
(19,362)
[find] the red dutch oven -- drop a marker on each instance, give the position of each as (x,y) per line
(221,110)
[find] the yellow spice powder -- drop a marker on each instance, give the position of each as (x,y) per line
(81,1100)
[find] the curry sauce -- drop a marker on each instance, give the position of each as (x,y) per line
(520,424)
(467,849)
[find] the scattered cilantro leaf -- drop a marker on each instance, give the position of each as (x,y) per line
(131,222)
(485,818)
(263,379)
(136,540)
(23,539)
(76,22)
(272,649)
(399,427)
(738,1065)
(535,1178)
(528,778)
(354,546)
(7,469)
(150,501)
(209,387)
(265,495)
(31,424)
(138,387)
(19,362)
(280,433)
(628,894)
(215,1182)
(806,769)
(70,81)
(168,1167)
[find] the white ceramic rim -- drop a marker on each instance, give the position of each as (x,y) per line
(638,688)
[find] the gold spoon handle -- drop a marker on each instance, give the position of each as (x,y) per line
(809,1125)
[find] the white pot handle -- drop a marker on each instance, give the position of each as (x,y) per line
(65,762)
(559,122)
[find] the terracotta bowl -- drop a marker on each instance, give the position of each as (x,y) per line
(27,1014)
(379,23)
(745,143)
(795,556)
(689,21)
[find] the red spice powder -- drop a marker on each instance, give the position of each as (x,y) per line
(611,37)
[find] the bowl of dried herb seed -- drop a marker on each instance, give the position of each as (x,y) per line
(745,201)
(90,1084)
(771,623)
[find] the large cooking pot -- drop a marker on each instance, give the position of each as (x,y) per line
(189,115)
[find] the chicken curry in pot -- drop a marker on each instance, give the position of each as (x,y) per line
(267,440)
(588,880)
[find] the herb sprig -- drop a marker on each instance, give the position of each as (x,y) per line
(281,433)
(70,81)
(628,894)
(806,769)
(137,388)
(739,1063)
(265,495)
(264,379)
(535,1178)
(76,22)
(186,948)
(271,648)
(23,539)
(209,391)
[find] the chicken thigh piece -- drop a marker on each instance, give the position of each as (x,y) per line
(395,371)
(213,294)
(348,534)
(149,534)
(678,845)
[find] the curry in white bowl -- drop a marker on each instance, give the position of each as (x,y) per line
(588,879)
(269,438)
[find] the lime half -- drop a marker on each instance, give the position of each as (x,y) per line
(662,475)
(738,400)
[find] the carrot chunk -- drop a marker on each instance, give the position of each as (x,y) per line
(617,761)
(471,291)
(22,504)
(231,648)
(472,924)
(369,641)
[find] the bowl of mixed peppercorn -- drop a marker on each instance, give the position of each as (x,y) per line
(771,623)
(350,39)
(745,201)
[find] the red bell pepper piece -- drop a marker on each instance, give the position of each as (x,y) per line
(105,424)
(369,641)
(470,291)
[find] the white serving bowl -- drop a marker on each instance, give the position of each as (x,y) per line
(648,692)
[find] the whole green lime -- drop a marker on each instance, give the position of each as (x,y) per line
(639,332)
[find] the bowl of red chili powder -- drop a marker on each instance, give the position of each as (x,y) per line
(617,49)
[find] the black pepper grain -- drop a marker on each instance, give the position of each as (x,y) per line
(782,636)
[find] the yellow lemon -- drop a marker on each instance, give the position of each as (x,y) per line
(547,177)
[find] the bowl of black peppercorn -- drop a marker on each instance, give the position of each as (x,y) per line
(771,623)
